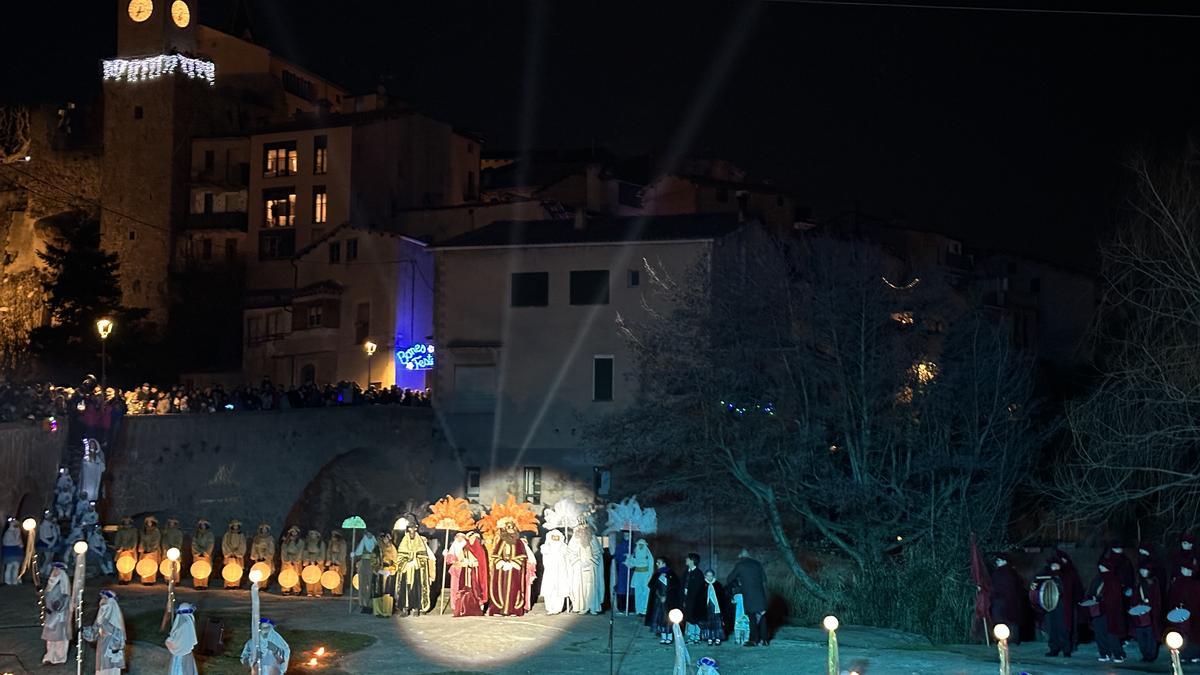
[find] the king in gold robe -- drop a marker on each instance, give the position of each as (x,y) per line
(416,568)
(511,568)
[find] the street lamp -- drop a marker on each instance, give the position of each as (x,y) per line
(168,613)
(1175,643)
(369,347)
(830,623)
(104,328)
(1001,632)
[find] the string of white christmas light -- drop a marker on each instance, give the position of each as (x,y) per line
(154,67)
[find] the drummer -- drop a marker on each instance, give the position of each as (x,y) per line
(291,555)
(314,556)
(1054,598)
(126,543)
(202,551)
(262,548)
(172,536)
(149,548)
(1146,611)
(335,560)
(1183,603)
(233,550)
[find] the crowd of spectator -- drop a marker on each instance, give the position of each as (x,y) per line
(36,401)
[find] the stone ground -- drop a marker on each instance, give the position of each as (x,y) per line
(440,645)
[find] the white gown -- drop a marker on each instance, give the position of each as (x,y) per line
(587,584)
(109,635)
(181,642)
(91,470)
(641,559)
(57,629)
(555,577)
(273,651)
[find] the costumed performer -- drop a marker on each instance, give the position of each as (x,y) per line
(469,570)
(262,548)
(664,596)
(335,560)
(273,651)
(203,543)
(291,557)
(108,632)
(1108,614)
(182,641)
(1147,627)
(695,598)
(1184,593)
(415,569)
(507,571)
(126,543)
(150,548)
(555,579)
(585,559)
(619,578)
(385,577)
(48,537)
(313,554)
(366,557)
(91,468)
(233,550)
(712,626)
(56,631)
(12,552)
(641,567)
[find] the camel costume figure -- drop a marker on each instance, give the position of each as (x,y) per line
(291,555)
(273,651)
(415,569)
(555,578)
(335,560)
(126,543)
(108,632)
(56,631)
(203,543)
(262,548)
(150,548)
(182,641)
(313,554)
(233,549)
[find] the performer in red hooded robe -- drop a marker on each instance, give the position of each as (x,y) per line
(1059,622)
(1108,614)
(468,573)
(1185,593)
(1008,598)
(1074,585)
(1147,627)
(1184,553)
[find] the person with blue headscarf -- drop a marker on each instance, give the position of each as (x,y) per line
(272,653)
(182,641)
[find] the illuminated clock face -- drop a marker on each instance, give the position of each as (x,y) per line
(180,13)
(140,10)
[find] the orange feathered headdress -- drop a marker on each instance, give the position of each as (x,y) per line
(519,512)
(450,513)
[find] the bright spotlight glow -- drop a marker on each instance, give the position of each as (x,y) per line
(104,328)
(1001,631)
(312,661)
(320,651)
(173,554)
(28,524)
(80,547)
(830,623)
(400,524)
(255,576)
(676,616)
(1174,641)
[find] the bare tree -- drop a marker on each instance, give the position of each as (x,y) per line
(806,386)
(1135,434)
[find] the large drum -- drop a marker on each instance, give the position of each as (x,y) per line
(126,561)
(354,582)
(264,569)
(167,567)
(1178,615)
(201,569)
(288,578)
(1141,615)
(311,574)
(331,579)
(1044,595)
(1093,608)
(146,567)
(232,572)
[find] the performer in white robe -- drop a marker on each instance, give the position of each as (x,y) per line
(98,551)
(585,557)
(182,641)
(641,567)
(108,632)
(555,579)
(64,494)
(273,651)
(12,552)
(48,537)
(91,470)
(57,629)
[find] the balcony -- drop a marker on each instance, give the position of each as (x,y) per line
(229,221)
(233,176)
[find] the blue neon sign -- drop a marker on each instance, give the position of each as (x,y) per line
(416,357)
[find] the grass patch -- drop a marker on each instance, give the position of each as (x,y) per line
(144,627)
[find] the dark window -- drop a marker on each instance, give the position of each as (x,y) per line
(132,235)
(635,278)
(316,316)
(472,483)
(722,195)
(351,250)
(298,86)
(602,378)
(308,374)
(320,205)
(208,202)
(279,205)
(206,249)
(210,160)
(533,484)
(230,250)
(137,112)
(629,194)
(469,191)
(335,251)
(279,159)
(530,289)
(589,287)
(276,244)
(1035,285)
(362,322)
(320,154)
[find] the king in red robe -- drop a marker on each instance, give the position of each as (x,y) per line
(467,559)
(509,572)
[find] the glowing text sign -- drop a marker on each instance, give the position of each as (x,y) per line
(416,357)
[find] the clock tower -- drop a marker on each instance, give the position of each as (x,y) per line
(154,90)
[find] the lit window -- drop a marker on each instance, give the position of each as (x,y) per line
(314,316)
(280,206)
(903,318)
(925,371)
(533,484)
(320,204)
(279,159)
(602,378)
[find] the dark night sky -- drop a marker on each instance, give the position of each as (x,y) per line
(1006,129)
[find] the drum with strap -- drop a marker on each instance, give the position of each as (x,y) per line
(1179,615)
(1044,594)
(311,574)
(232,572)
(201,569)
(331,579)
(126,561)
(288,578)
(1141,615)
(146,567)
(264,570)
(1093,608)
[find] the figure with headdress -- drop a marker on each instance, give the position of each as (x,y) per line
(203,543)
(1146,613)
(313,554)
(556,580)
(291,556)
(262,548)
(585,559)
(172,536)
(508,571)
(1184,554)
(272,654)
(233,550)
(1106,603)
(182,641)
(1053,598)
(641,568)
(91,468)
(382,601)
(49,537)
(126,543)
(86,517)
(56,631)
(415,569)
(108,632)
(335,560)
(98,551)
(621,549)
(366,553)
(12,551)
(469,570)
(149,548)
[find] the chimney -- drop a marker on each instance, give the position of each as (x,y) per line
(580,218)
